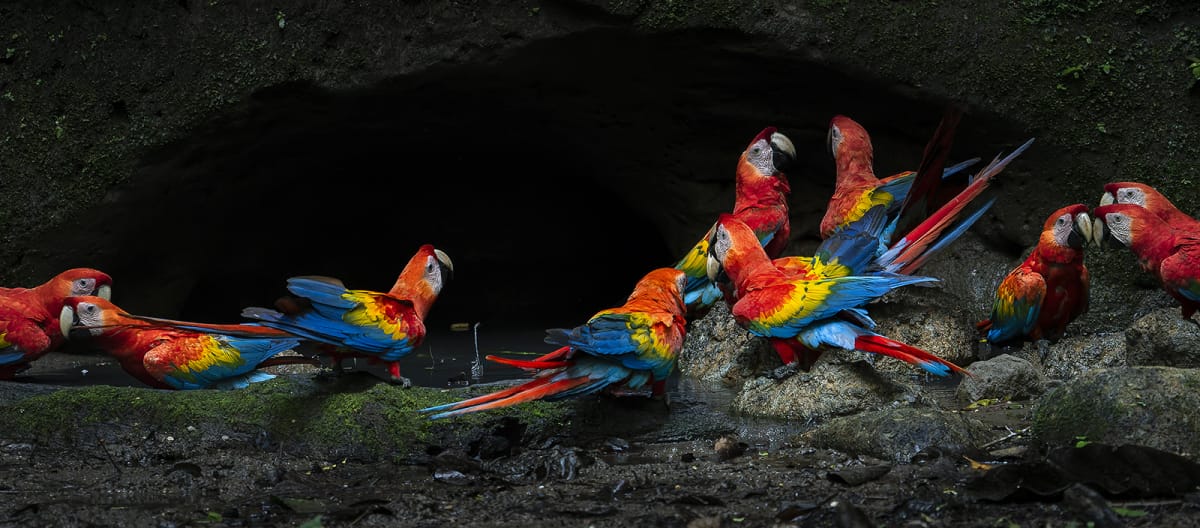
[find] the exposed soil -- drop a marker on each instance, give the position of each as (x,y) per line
(627,462)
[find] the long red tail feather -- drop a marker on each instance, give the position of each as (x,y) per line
(537,364)
(878,344)
(919,202)
(528,392)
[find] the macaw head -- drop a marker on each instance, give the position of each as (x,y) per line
(76,282)
(1125,223)
(1069,227)
(1138,194)
(665,285)
(731,239)
(90,316)
(427,271)
(847,137)
(769,153)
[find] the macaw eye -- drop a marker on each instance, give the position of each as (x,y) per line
(756,150)
(91,308)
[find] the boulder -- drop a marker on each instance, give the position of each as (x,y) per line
(899,434)
(1163,337)
(1004,376)
(1151,406)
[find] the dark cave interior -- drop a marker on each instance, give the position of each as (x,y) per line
(554,176)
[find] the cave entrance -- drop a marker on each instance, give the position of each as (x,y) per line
(554,176)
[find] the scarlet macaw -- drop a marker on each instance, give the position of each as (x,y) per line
(800,306)
(1037,299)
(379,326)
(918,216)
(168,357)
(760,200)
(1171,255)
(627,347)
(1148,197)
(29,316)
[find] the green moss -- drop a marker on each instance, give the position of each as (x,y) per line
(339,417)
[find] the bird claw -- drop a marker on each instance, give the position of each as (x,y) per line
(784,372)
(1043,347)
(402,381)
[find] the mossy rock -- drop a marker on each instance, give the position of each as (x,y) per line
(355,416)
(1151,406)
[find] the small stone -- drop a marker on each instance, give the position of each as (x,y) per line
(728,447)
(1005,377)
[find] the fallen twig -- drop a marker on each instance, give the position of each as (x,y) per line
(1010,434)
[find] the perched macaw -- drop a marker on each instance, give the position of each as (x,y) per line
(918,214)
(362,323)
(801,306)
(29,316)
(1146,196)
(1171,255)
(760,200)
(857,189)
(627,347)
(168,357)
(1037,300)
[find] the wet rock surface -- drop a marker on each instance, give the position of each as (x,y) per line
(901,434)
(719,350)
(1004,377)
(1163,337)
(839,383)
(1152,406)
(1075,355)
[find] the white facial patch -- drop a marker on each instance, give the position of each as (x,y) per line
(1120,226)
(1062,229)
(759,155)
(83,287)
(1130,195)
(834,139)
(433,273)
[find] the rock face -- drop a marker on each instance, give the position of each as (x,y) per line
(899,434)
(1075,355)
(835,386)
(1164,338)
(1152,406)
(1004,376)
(717,350)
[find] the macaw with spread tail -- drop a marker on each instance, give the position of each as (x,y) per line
(167,357)
(919,216)
(857,189)
(1148,197)
(1171,255)
(760,200)
(29,316)
(362,323)
(802,305)
(627,347)
(1038,299)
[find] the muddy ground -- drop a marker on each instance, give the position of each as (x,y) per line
(628,462)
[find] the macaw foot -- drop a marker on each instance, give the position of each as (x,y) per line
(395,378)
(658,392)
(1043,347)
(784,372)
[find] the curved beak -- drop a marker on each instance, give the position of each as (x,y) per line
(1084,226)
(104,292)
(1099,231)
(1107,199)
(445,260)
(66,319)
(783,152)
(713,268)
